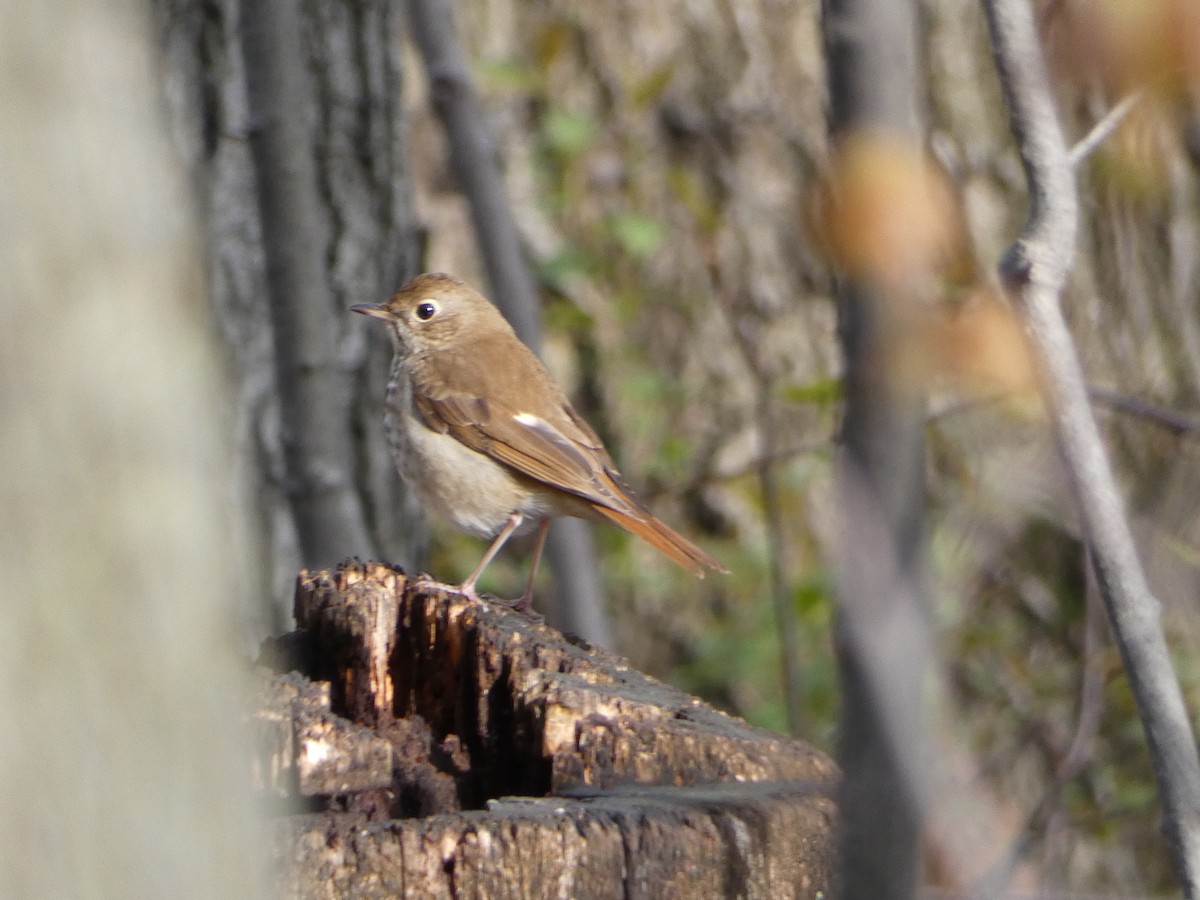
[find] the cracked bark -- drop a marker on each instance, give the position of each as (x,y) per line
(524,765)
(319,133)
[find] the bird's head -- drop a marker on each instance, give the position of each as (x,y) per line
(434,312)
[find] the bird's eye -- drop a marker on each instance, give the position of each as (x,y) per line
(426,310)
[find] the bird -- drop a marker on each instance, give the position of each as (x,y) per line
(482,434)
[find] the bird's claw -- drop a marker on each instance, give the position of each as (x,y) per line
(524,605)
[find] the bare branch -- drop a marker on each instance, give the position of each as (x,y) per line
(1169,419)
(571,549)
(1175,422)
(1071,762)
(473,158)
(1102,130)
(766,419)
(1035,272)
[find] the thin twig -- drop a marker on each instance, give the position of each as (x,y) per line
(966,405)
(1169,419)
(786,619)
(1071,763)
(1035,272)
(1091,690)
(1101,131)
(1176,422)
(473,159)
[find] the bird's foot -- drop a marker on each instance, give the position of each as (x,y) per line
(523,604)
(467,589)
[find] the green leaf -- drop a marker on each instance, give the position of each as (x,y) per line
(822,392)
(648,89)
(674,455)
(564,316)
(568,263)
(551,41)
(639,235)
(814,594)
(507,75)
(568,134)
(1184,551)
(691,193)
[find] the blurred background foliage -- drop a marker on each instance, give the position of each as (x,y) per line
(668,166)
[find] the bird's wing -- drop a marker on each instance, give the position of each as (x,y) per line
(546,441)
(552,445)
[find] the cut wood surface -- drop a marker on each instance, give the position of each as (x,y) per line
(522,764)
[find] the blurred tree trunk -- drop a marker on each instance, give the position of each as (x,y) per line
(122,765)
(870,46)
(287,117)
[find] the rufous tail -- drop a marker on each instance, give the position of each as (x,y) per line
(665,539)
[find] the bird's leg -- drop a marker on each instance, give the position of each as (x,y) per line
(467,588)
(525,604)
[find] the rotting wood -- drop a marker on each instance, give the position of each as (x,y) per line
(306,749)
(525,764)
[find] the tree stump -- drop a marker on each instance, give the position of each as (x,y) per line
(427,746)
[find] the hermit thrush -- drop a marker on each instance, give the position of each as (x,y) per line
(485,438)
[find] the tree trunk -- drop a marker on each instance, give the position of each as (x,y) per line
(302,181)
(870,53)
(122,764)
(463,750)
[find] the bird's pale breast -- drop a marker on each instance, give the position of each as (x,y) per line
(474,493)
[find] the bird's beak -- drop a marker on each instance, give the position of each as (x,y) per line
(375,312)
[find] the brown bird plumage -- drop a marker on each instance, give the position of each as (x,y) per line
(483,435)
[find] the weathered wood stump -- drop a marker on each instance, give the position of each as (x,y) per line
(442,748)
